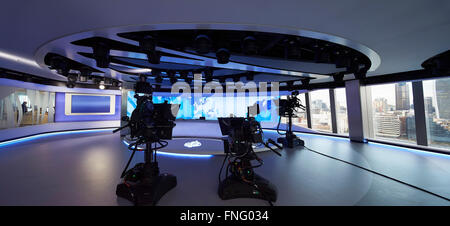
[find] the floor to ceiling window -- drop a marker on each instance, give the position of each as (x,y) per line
(320,110)
(391,112)
(341,111)
(437,112)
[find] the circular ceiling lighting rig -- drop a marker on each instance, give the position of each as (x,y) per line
(266,53)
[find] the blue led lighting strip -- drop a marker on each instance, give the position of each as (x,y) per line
(411,150)
(177,154)
(310,134)
(387,146)
(33,137)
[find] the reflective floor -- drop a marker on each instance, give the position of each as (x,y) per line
(83,169)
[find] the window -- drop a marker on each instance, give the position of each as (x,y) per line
(437,111)
(320,110)
(23,107)
(391,116)
(341,111)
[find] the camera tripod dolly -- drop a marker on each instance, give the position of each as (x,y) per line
(243,181)
(143,184)
(287,109)
(149,125)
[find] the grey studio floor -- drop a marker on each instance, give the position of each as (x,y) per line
(83,169)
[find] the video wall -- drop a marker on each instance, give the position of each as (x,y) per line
(211,107)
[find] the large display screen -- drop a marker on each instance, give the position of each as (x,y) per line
(212,107)
(87,104)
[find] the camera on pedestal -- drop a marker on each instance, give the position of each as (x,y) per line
(150,125)
(243,182)
(287,108)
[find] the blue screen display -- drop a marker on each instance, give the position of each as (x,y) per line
(90,104)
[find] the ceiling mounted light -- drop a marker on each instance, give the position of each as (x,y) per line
(101,54)
(249,46)
(72,78)
(70,85)
(223,56)
(148,45)
(84,74)
(202,44)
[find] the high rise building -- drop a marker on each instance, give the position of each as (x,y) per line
(429,105)
(380,105)
(387,125)
(443,98)
(402,96)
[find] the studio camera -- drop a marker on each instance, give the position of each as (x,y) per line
(289,108)
(242,133)
(150,126)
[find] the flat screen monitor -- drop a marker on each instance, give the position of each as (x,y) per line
(89,104)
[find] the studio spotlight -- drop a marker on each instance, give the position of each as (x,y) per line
(249,46)
(70,85)
(85,73)
(97,81)
(101,84)
(223,56)
(108,81)
(148,46)
(101,54)
(202,44)
(72,78)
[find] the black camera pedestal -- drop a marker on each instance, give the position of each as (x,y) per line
(233,187)
(143,184)
(290,140)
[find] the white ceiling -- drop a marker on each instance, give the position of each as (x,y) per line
(404,32)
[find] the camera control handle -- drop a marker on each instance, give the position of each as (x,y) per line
(275,144)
